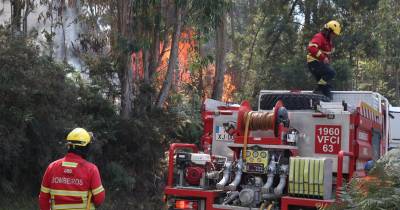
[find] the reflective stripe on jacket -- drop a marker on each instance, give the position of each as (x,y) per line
(319,48)
(68,182)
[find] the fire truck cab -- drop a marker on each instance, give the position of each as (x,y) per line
(295,151)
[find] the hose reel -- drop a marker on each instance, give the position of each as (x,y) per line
(255,120)
(260,120)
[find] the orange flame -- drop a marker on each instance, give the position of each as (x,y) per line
(186,55)
(228,88)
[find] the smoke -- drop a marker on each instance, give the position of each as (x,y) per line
(66,32)
(67,36)
(5,12)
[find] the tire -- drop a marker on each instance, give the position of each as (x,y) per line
(292,101)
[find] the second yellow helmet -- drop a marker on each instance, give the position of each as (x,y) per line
(334,26)
(79,137)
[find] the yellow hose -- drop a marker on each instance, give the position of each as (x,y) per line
(89,201)
(256,121)
(247,117)
(262,207)
(270,207)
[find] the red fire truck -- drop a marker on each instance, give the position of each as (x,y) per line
(296,151)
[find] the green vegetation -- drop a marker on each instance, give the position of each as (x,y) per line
(135,115)
(42,100)
(379,191)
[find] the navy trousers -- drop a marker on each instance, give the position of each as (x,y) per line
(323,71)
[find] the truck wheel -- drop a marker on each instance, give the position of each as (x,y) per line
(292,101)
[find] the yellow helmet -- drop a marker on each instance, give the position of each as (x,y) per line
(79,137)
(334,26)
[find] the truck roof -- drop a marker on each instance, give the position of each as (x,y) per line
(394,109)
(352,98)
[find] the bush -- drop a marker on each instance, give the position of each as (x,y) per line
(380,190)
(41,104)
(36,108)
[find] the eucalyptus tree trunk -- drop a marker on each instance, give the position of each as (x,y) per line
(232,17)
(146,64)
(64,38)
(127,88)
(281,28)
(203,55)
(124,18)
(172,59)
(218,87)
(28,9)
(154,50)
(307,21)
(397,81)
(16,12)
(235,73)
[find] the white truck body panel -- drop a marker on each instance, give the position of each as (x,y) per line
(221,138)
(353,100)
(306,124)
(394,119)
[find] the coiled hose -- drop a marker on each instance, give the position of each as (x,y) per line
(256,121)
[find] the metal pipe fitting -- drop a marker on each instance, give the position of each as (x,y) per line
(213,174)
(227,170)
(271,173)
(238,176)
(268,184)
(269,196)
(284,169)
(282,183)
(232,196)
(258,182)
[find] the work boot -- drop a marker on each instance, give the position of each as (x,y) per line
(326,91)
(318,90)
(322,82)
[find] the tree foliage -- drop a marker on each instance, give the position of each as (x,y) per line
(380,190)
(269,44)
(38,103)
(43,100)
(125,48)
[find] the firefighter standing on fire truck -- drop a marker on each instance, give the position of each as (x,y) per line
(72,182)
(318,57)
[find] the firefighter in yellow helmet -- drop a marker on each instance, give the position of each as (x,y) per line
(72,182)
(319,57)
